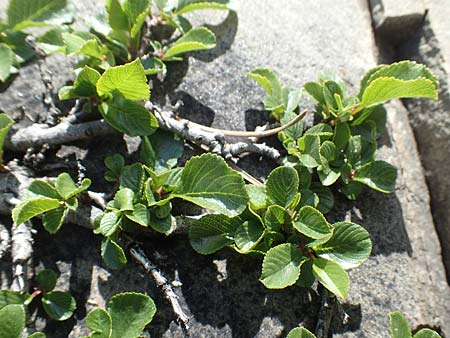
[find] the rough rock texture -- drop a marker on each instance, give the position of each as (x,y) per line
(430,119)
(221,292)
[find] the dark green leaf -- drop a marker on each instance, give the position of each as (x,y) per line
(378,175)
(311,223)
(113,254)
(8,297)
(133,177)
(341,135)
(282,185)
(58,305)
(163,225)
(139,215)
(307,277)
(212,232)
(43,188)
(168,149)
(275,217)
(326,198)
(309,145)
(123,199)
(46,280)
(315,89)
(84,85)
(248,235)
(208,181)
(117,18)
(109,223)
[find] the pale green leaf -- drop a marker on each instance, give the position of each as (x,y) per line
(109,223)
(196,39)
(43,188)
(65,186)
(350,245)
(33,207)
(212,232)
(130,313)
(8,297)
(37,335)
(427,333)
(99,321)
(52,40)
(185,6)
(268,80)
(7,57)
(399,326)
(12,321)
(139,215)
(84,85)
(128,79)
(282,185)
(112,254)
(123,199)
(281,266)
(208,181)
(58,305)
(300,333)
(332,276)
(257,195)
(117,18)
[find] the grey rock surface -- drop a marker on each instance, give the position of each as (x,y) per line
(221,292)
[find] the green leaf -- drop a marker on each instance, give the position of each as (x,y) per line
(8,297)
(196,39)
(123,199)
(113,254)
(99,321)
(427,333)
(282,185)
(134,9)
(341,135)
(300,333)
(109,223)
(46,280)
(315,89)
(33,207)
(43,188)
(84,85)
(115,164)
(326,197)
(378,175)
(128,79)
(139,215)
(168,149)
(37,335)
(275,217)
(212,232)
(133,177)
(128,117)
(163,225)
(281,266)
(58,305)
(248,235)
(399,80)
(117,18)
(5,124)
(208,182)
(268,80)
(130,313)
(307,278)
(7,57)
(12,321)
(399,326)
(65,186)
(185,6)
(257,195)
(24,13)
(332,276)
(52,40)
(311,223)
(152,65)
(309,145)
(54,219)
(350,245)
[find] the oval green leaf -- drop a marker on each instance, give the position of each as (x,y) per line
(332,276)
(58,305)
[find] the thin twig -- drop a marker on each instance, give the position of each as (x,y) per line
(325,315)
(139,255)
(22,252)
(247,134)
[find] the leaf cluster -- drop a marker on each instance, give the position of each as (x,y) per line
(52,199)
(282,223)
(22,14)
(58,305)
(399,328)
(132,29)
(341,148)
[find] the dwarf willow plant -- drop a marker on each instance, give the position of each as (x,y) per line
(282,224)
(52,199)
(399,328)
(116,36)
(342,146)
(58,305)
(22,14)
(5,124)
